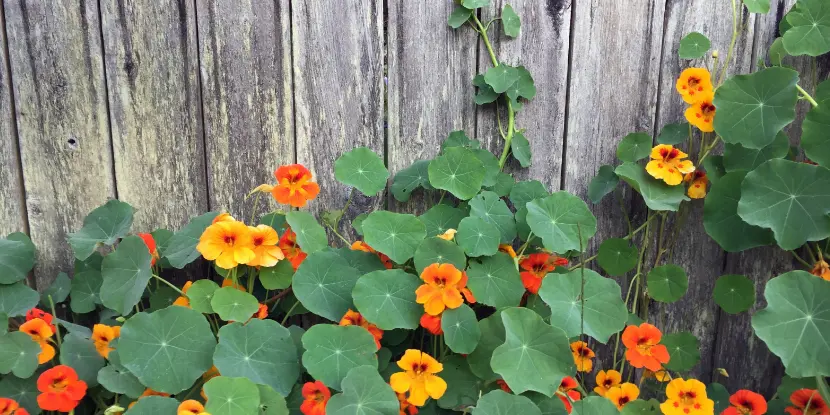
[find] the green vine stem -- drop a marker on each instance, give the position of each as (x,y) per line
(171,285)
(806,96)
(57,332)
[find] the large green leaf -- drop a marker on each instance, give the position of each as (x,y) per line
(395,234)
(126,273)
(153,405)
(16,299)
(457,171)
(262,351)
(495,281)
(792,199)
(603,183)
(436,250)
(387,299)
(441,218)
(667,283)
(594,405)
(120,381)
(181,248)
(17,257)
(492,336)
(409,179)
(104,225)
(363,169)
(656,193)
(527,191)
(461,331)
(534,356)
(560,220)
(463,387)
(85,287)
(499,402)
(694,46)
(753,109)
(734,293)
(332,351)
(809,33)
(633,147)
(721,220)
(231,396)
(478,237)
(310,234)
(548,405)
(167,350)
(18,354)
(617,256)
(80,354)
(815,139)
(364,393)
(232,304)
(23,391)
(489,207)
(324,284)
(737,157)
(796,323)
(583,301)
(271,402)
(684,351)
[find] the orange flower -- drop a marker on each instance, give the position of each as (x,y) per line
(294,186)
(223,217)
(227,282)
(807,402)
(623,394)
(190,407)
(660,375)
(687,397)
(643,348)
(353,318)
(606,381)
(406,407)
(228,243)
(583,356)
(262,312)
(40,332)
(183,300)
(149,392)
(11,407)
(432,324)
(419,377)
(449,235)
(266,251)
(667,164)
(567,392)
(151,246)
(692,83)
(536,267)
(744,402)
(210,374)
(38,313)
(821,269)
(60,389)
(440,290)
(507,249)
(701,114)
(697,184)
(292,251)
(363,246)
(316,395)
(102,335)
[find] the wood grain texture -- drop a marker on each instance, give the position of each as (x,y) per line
(155,110)
(430,73)
(542,47)
(12,198)
(339,93)
(60,101)
(245,55)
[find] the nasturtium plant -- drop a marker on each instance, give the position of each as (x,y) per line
(457,171)
(394,234)
(17,257)
(332,351)
(734,293)
(667,283)
(603,183)
(363,169)
(633,147)
(324,284)
(387,298)
(694,45)
(563,221)
(103,226)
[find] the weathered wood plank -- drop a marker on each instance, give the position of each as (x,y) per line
(60,102)
(12,198)
(431,67)
(245,55)
(542,47)
(339,92)
(155,110)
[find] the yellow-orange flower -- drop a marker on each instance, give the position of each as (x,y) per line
(229,243)
(692,83)
(183,300)
(607,380)
(266,251)
(294,186)
(210,374)
(660,375)
(687,397)
(223,217)
(507,249)
(449,235)
(821,269)
(697,184)
(701,114)
(668,165)
(623,394)
(440,289)
(102,335)
(583,356)
(227,282)
(419,377)
(191,407)
(353,318)
(40,331)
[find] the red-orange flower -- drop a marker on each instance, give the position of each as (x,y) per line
(441,288)
(40,332)
(60,388)
(46,317)
(316,395)
(744,402)
(11,407)
(432,324)
(807,402)
(102,335)
(643,346)
(292,251)
(406,407)
(503,386)
(583,356)
(536,267)
(567,392)
(353,318)
(151,246)
(363,246)
(262,312)
(294,186)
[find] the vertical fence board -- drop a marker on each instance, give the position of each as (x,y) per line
(12,202)
(431,68)
(245,50)
(338,81)
(155,110)
(60,101)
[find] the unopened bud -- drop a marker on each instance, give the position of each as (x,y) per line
(120,319)
(722,372)
(715,53)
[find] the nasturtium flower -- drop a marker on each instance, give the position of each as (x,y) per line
(363,246)
(151,246)
(229,243)
(183,300)
(228,282)
(102,335)
(419,377)
(292,251)
(744,402)
(623,394)
(660,375)
(294,186)
(667,164)
(223,217)
(643,347)
(503,386)
(432,324)
(60,389)
(442,289)
(536,267)
(821,269)
(449,235)
(353,318)
(807,402)
(607,380)
(701,114)
(40,332)
(507,249)
(262,312)
(406,407)
(266,251)
(567,392)
(46,317)
(191,407)
(315,397)
(210,374)
(11,407)
(687,397)
(692,83)
(583,356)
(697,184)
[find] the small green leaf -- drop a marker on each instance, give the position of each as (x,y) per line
(667,283)
(510,21)
(684,351)
(734,293)
(504,184)
(492,336)
(475,4)
(324,284)
(650,407)
(16,299)
(435,250)
(491,166)
(181,248)
(58,290)
(489,207)
(459,138)
(104,225)
(231,396)
(478,237)
(603,183)
(695,45)
(527,191)
(277,277)
(656,193)
(737,157)
(441,218)
(521,149)
(126,272)
(17,257)
(460,327)
(777,53)
(501,77)
(332,351)
(80,354)
(18,354)
(363,169)
(633,147)
(721,220)
(495,281)
(720,395)
(757,6)
(162,297)
(485,93)
(463,387)
(524,87)
(563,221)
(364,392)
(153,405)
(459,16)
(616,256)
(394,234)
(409,179)
(809,33)
(499,402)
(310,235)
(363,262)
(674,133)
(200,295)
(120,381)
(387,299)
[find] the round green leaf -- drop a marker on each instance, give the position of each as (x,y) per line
(534,356)
(324,284)
(560,220)
(475,4)
(674,133)
(201,294)
(435,250)
(583,301)
(656,193)
(364,392)
(22,391)
(734,293)
(527,191)
(332,351)
(633,147)
(694,46)
(603,183)
(616,256)
(459,16)
(594,405)
(85,287)
(756,6)
(684,351)
(120,381)
(104,225)
(809,33)
(387,299)
(357,223)
(262,351)
(489,207)
(463,387)
(459,138)
(441,218)
(495,281)
(271,402)
(499,402)
(363,169)
(792,199)
(510,21)
(504,184)
(126,273)
(181,248)
(667,283)
(721,220)
(753,108)
(58,290)
(461,332)
(521,149)
(650,407)
(80,354)
(737,157)
(478,237)
(363,262)
(796,323)
(231,396)
(154,405)
(394,234)
(720,395)
(814,138)
(310,234)
(492,336)
(485,94)
(501,77)
(16,299)
(232,304)
(18,354)
(167,350)
(491,166)
(277,277)
(17,257)
(457,171)
(409,179)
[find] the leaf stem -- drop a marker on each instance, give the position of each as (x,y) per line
(282,293)
(288,313)
(806,95)
(735,32)
(709,149)
(802,261)
(629,236)
(342,238)
(169,284)
(57,331)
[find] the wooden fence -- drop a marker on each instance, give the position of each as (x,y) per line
(182,106)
